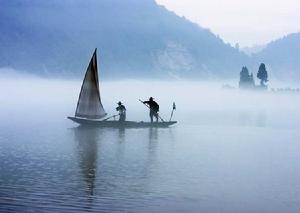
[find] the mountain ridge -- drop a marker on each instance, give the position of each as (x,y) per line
(135,39)
(282,57)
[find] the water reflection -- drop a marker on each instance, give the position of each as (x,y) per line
(261,119)
(257,119)
(153,138)
(87,153)
(115,162)
(121,132)
(153,134)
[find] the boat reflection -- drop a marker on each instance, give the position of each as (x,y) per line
(87,147)
(116,160)
(88,140)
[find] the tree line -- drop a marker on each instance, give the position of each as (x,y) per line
(247,80)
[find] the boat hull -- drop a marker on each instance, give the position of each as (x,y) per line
(121,124)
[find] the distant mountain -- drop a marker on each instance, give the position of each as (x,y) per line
(135,39)
(253,50)
(282,57)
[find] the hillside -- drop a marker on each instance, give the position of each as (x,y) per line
(135,39)
(282,57)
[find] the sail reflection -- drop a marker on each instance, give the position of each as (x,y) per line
(87,153)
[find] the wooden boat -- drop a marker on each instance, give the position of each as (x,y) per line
(121,124)
(90,111)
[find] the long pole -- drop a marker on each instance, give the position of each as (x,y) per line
(113,116)
(152,110)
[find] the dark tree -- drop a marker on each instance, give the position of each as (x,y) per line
(262,74)
(246,80)
(244,74)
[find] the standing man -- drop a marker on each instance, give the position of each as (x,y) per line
(122,111)
(154,108)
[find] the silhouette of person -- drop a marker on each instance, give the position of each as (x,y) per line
(122,111)
(154,108)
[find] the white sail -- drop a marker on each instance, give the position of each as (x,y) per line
(89,103)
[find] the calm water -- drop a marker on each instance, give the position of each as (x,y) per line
(230,152)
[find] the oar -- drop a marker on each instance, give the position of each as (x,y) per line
(174,108)
(152,110)
(113,116)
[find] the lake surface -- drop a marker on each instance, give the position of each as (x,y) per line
(230,152)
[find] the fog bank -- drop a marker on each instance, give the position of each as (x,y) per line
(198,103)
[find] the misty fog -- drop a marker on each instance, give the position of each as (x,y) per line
(198,102)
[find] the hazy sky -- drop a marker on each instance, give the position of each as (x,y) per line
(248,22)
